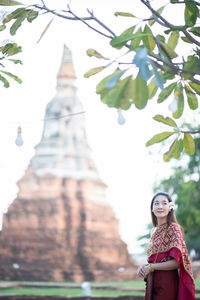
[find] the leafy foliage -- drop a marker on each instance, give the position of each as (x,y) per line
(7,50)
(157,67)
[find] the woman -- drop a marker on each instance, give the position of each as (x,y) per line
(168,272)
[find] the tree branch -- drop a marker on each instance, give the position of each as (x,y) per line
(91,18)
(163,22)
(154,12)
(195,81)
(100,23)
(167,24)
(169,64)
(60,15)
(190,131)
(190,37)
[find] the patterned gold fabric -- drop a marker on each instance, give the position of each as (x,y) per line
(164,239)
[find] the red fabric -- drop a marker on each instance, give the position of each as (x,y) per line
(165,285)
(173,246)
(149,287)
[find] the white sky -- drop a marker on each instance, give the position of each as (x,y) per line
(119,152)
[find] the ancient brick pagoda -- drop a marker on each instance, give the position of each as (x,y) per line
(60,227)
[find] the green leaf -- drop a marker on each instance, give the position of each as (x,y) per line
(45,30)
(119,95)
(148,40)
(126,102)
(152,89)
(16,61)
(173,40)
(161,38)
(195,30)
(14,15)
(179,149)
(172,150)
(18,23)
(2,27)
(191,98)
(188,144)
(124,14)
(9,3)
(101,86)
(16,78)
(129,30)
(178,93)
(192,64)
(167,51)
(32,15)
(5,81)
(94,71)
(191,13)
(166,92)
(92,52)
(186,40)
(136,41)
(167,31)
(151,22)
(167,76)
(195,87)
(167,120)
(140,92)
(119,41)
(159,138)
(11,49)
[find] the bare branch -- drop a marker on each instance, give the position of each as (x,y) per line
(100,23)
(60,15)
(91,18)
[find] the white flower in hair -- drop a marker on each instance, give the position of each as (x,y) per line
(171,205)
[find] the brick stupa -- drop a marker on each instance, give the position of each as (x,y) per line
(60,227)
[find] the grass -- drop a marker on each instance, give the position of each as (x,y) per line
(35,291)
(65,292)
(75,290)
(138,284)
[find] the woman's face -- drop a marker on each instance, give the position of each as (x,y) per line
(161,207)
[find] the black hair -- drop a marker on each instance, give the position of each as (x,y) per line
(171,218)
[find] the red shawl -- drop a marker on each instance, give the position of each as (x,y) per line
(169,242)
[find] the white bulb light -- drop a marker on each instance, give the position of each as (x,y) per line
(121,120)
(19,141)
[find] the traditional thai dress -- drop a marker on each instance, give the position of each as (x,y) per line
(168,243)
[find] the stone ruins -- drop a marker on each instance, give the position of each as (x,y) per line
(60,227)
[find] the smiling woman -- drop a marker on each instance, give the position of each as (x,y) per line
(168,272)
(162,210)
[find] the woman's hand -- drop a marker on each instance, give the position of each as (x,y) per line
(143,271)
